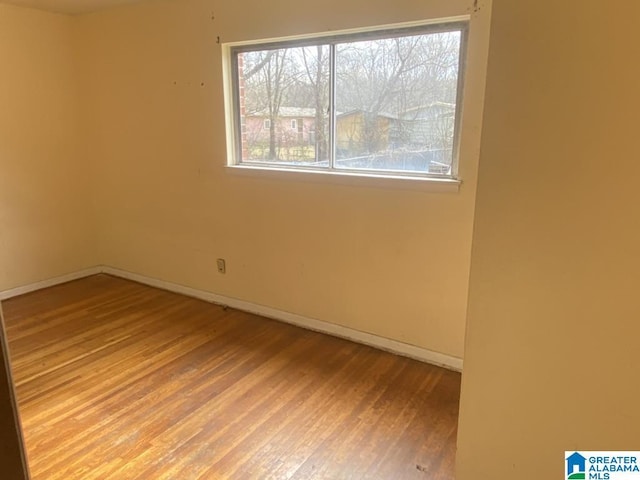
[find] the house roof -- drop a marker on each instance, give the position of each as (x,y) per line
(427,106)
(283,112)
(304,112)
(357,111)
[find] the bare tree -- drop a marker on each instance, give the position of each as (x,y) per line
(316,67)
(266,82)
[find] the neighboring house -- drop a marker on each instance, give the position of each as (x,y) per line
(426,127)
(361,132)
(421,135)
(294,126)
(429,127)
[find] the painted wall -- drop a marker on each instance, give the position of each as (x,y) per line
(389,261)
(45,228)
(551,357)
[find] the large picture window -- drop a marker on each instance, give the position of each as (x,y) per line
(384,102)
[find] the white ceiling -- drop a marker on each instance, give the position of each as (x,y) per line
(69,6)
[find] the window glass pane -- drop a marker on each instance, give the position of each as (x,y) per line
(396,103)
(283,97)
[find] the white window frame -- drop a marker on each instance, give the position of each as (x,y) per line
(233,128)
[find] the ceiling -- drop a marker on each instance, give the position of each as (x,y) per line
(69,6)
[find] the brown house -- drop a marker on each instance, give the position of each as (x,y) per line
(359,132)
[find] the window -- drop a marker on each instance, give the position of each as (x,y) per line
(267,124)
(383,102)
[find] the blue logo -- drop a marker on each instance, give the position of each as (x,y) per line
(576,467)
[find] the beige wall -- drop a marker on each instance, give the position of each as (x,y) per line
(389,261)
(44,183)
(551,357)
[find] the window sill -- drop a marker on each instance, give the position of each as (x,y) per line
(426,184)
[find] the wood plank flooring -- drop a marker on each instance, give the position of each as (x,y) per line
(117,380)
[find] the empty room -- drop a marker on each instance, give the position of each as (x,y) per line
(332,240)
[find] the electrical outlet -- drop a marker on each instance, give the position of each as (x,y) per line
(222,266)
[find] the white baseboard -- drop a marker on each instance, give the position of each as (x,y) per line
(400,348)
(14,292)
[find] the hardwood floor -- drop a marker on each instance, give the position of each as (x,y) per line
(118,380)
